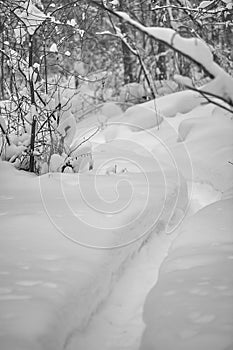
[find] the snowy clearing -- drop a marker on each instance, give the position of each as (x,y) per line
(119,322)
(60,236)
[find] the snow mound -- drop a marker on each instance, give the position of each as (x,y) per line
(191,306)
(178,102)
(197,136)
(111,109)
(136,118)
(209,143)
(141,117)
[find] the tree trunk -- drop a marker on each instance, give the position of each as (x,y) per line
(127,56)
(33,106)
(2,70)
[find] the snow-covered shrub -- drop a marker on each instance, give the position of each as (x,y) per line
(56,163)
(79,159)
(111,109)
(82,157)
(165,87)
(133,93)
(50,83)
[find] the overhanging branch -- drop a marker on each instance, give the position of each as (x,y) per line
(145,30)
(181,45)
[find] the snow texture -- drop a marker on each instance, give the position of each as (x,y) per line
(60,232)
(191,306)
(118,324)
(51,286)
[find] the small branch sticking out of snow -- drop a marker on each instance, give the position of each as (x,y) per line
(80,144)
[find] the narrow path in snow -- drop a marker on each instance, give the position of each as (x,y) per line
(118,324)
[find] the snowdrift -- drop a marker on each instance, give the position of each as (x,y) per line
(60,238)
(178,102)
(191,306)
(66,238)
(193,135)
(209,143)
(200,137)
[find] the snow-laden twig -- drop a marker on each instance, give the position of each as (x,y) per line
(187,83)
(190,9)
(31,17)
(85,140)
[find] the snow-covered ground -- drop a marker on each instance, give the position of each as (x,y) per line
(51,282)
(66,239)
(119,322)
(191,307)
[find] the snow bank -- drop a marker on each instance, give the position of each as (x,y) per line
(209,143)
(150,114)
(141,117)
(51,283)
(202,133)
(198,135)
(191,306)
(178,102)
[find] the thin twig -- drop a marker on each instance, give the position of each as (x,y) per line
(74,149)
(205,94)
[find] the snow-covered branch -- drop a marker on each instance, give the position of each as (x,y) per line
(205,91)
(31,17)
(193,48)
(199,10)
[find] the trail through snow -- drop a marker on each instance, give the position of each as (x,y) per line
(118,324)
(58,295)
